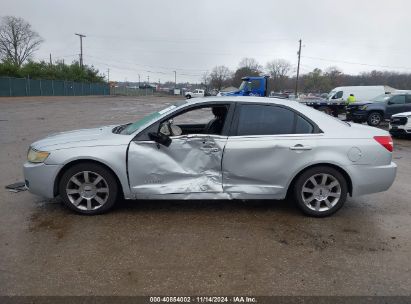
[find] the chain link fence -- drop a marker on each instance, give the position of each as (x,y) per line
(131,91)
(10,86)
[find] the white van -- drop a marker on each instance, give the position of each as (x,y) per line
(361,93)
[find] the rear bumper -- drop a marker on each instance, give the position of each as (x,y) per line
(371,179)
(40,178)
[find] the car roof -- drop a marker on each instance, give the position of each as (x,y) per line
(324,121)
(251,99)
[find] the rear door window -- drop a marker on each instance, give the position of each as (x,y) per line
(270,120)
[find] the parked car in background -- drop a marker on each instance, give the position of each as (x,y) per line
(379,109)
(195,93)
(400,125)
(235,148)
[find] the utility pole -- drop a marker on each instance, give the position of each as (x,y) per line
(108,75)
(175,79)
(298,68)
(51,62)
(138,80)
(81,48)
(148,80)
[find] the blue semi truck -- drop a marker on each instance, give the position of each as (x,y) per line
(258,86)
(251,86)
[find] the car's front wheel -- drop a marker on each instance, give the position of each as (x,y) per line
(374,119)
(320,191)
(88,188)
(188,96)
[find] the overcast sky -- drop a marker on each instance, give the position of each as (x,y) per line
(154,38)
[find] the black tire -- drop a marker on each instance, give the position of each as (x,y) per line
(94,170)
(326,110)
(188,96)
(316,171)
(374,119)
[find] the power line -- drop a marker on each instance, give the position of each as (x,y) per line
(152,66)
(357,63)
(142,70)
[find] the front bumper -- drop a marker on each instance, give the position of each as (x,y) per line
(371,179)
(40,178)
(359,116)
(400,132)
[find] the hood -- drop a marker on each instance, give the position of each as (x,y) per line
(102,136)
(359,103)
(402,114)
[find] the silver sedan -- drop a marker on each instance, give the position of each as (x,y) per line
(215,148)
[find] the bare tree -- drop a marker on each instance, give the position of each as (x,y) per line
(278,70)
(18,41)
(251,64)
(205,79)
(334,75)
(219,76)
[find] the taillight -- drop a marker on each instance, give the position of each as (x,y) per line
(385,141)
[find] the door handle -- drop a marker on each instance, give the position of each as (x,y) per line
(301,148)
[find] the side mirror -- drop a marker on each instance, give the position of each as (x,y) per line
(160,138)
(389,102)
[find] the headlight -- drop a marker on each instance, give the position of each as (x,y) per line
(35,156)
(363,108)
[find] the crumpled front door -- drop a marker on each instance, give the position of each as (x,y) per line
(192,163)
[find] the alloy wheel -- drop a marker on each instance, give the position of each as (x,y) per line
(375,119)
(87,190)
(321,192)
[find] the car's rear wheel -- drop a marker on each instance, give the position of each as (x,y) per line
(374,119)
(188,96)
(320,191)
(88,188)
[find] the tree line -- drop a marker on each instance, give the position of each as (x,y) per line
(317,81)
(56,71)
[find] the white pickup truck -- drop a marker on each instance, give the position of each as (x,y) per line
(195,93)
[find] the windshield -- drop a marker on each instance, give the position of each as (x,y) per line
(381,98)
(331,94)
(244,85)
(131,128)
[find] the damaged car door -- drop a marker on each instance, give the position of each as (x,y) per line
(191,163)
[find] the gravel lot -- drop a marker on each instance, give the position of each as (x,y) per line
(189,247)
